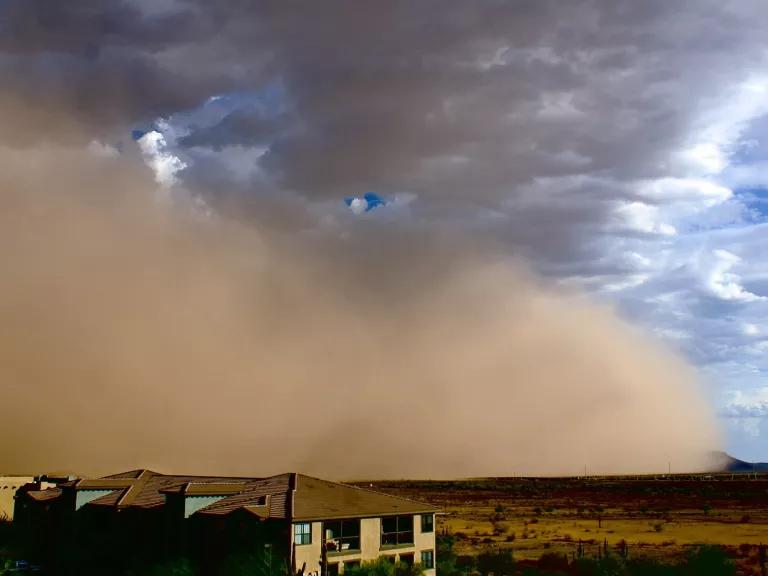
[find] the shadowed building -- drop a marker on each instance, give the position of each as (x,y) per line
(8,487)
(296,522)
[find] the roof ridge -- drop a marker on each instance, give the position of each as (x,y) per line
(135,488)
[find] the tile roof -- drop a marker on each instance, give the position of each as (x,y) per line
(285,496)
(146,489)
(269,497)
(317,499)
(208,488)
(43,495)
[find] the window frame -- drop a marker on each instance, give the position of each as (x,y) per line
(431,559)
(398,533)
(355,536)
(298,534)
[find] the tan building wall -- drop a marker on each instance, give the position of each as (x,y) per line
(310,553)
(8,487)
(370,547)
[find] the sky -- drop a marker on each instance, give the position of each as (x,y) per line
(617,147)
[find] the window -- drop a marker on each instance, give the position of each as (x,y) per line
(406,559)
(333,569)
(427,559)
(396,530)
(341,535)
(302,533)
(427,522)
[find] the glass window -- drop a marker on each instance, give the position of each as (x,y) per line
(427,559)
(396,530)
(302,533)
(427,522)
(406,559)
(341,535)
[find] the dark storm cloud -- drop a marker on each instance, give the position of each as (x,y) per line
(382,91)
(462,104)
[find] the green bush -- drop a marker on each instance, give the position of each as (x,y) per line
(499,562)
(383,566)
(708,561)
(178,567)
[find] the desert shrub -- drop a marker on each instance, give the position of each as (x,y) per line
(611,565)
(383,566)
(649,567)
(708,561)
(260,563)
(176,567)
(379,567)
(585,567)
(405,569)
(553,561)
(499,562)
(466,563)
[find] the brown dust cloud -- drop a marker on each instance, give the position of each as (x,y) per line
(143,329)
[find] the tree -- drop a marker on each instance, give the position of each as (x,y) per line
(446,557)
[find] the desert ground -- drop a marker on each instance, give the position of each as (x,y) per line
(657,516)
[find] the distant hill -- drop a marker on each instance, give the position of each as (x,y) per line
(727,463)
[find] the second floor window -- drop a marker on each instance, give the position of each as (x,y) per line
(302,533)
(427,522)
(341,535)
(396,530)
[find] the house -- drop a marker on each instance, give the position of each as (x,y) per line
(305,524)
(8,487)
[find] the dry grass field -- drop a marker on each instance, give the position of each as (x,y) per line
(657,516)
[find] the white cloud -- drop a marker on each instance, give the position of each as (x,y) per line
(748,404)
(641,217)
(631,281)
(724,283)
(164,164)
(751,329)
(358,205)
(719,127)
(688,190)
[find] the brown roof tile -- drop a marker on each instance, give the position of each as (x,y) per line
(43,495)
(317,499)
(283,496)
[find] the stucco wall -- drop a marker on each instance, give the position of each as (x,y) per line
(310,553)
(370,546)
(8,487)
